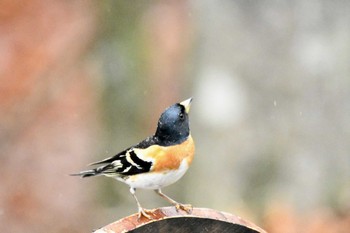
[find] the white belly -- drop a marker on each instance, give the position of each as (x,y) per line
(154,180)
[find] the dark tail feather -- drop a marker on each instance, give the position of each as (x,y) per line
(107,160)
(87,173)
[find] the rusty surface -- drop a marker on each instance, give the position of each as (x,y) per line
(132,222)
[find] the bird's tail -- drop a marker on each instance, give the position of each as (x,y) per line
(88,173)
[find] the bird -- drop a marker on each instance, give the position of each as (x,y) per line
(155,162)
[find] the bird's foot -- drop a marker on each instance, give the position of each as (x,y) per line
(185,207)
(143,212)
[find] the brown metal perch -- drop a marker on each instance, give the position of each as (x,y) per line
(168,220)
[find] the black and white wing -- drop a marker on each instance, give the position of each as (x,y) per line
(125,163)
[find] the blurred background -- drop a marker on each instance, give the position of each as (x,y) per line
(81,80)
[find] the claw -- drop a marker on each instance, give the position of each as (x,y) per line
(143,212)
(185,207)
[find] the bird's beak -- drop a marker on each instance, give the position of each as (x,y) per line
(187,104)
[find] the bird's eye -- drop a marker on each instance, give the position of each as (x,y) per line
(182,116)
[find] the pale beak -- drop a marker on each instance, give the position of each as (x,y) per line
(187,104)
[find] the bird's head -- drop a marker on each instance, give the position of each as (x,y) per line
(173,125)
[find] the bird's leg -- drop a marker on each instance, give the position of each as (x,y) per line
(186,207)
(141,210)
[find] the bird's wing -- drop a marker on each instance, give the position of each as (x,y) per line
(125,163)
(128,162)
(149,141)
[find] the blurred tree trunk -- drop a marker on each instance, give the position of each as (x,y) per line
(46,105)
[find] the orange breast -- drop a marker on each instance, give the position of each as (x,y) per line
(170,157)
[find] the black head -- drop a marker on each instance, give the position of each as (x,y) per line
(173,125)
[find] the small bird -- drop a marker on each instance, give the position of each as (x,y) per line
(157,161)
